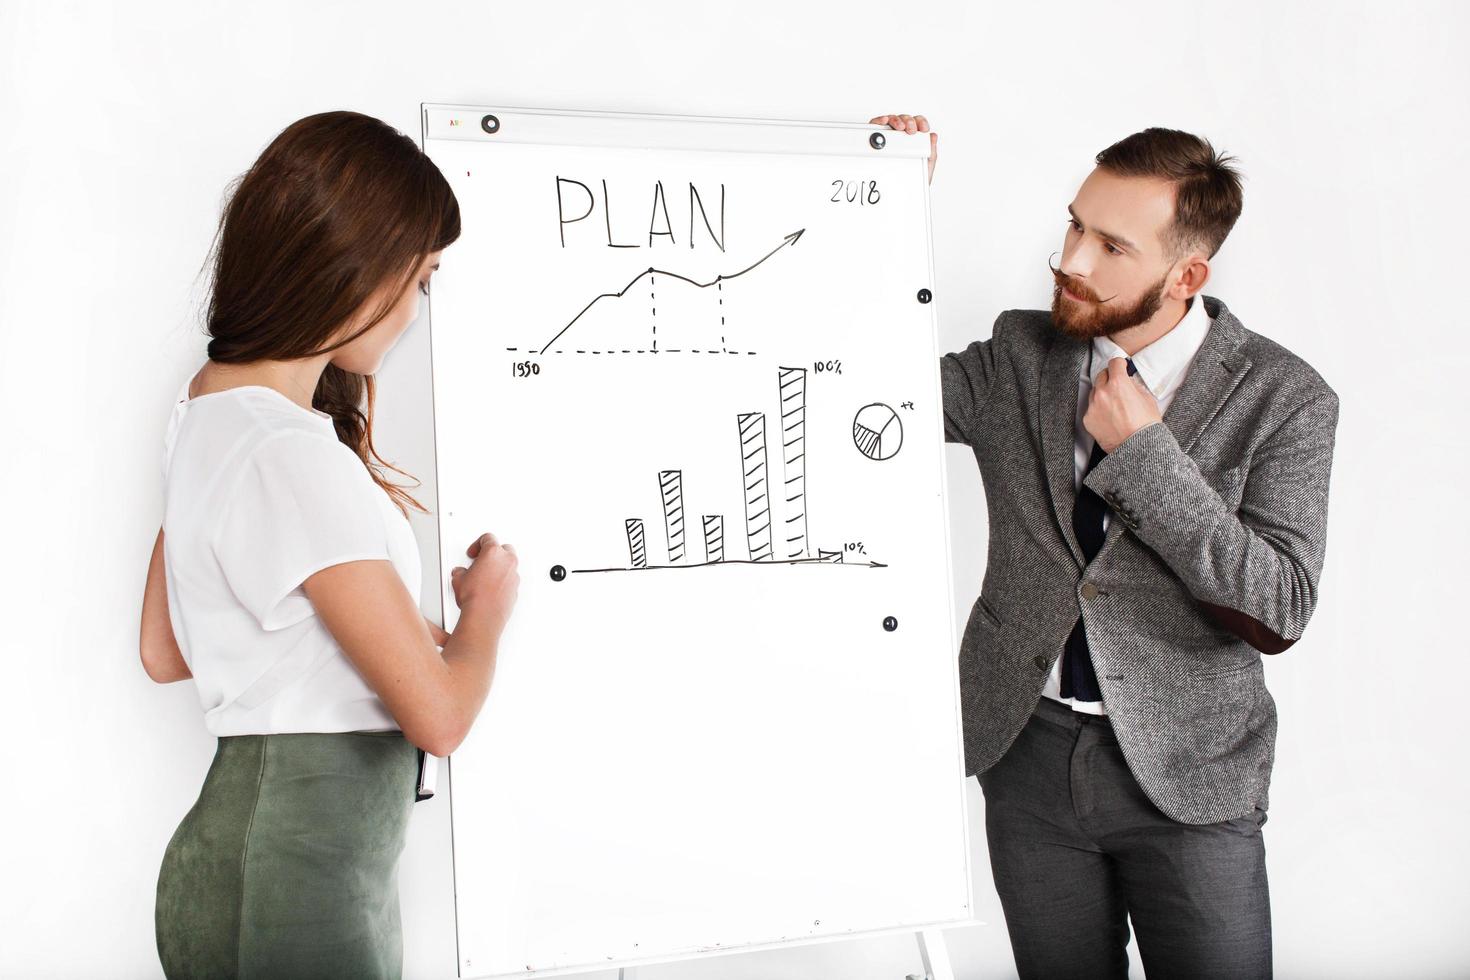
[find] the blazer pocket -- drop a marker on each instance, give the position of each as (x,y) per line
(988,611)
(1227,669)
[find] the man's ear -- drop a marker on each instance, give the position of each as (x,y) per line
(1193,271)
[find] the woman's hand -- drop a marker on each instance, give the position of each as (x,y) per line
(905,123)
(490,583)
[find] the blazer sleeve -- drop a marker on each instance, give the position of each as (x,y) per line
(966,379)
(1253,569)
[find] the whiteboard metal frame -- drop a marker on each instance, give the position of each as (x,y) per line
(726,134)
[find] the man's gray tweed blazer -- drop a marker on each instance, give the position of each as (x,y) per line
(1212,555)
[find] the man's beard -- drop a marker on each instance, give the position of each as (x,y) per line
(1085,321)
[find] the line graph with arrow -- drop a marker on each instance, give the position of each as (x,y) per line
(655,278)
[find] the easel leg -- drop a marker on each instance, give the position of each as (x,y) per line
(935,955)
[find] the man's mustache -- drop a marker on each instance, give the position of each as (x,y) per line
(1066,282)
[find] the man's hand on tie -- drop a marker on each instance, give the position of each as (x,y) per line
(1120,405)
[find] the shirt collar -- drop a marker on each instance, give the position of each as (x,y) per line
(1163,363)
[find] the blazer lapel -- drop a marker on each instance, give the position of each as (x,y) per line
(1060,374)
(1213,375)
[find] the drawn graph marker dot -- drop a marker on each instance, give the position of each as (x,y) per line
(890,623)
(558,573)
(877,431)
(925,296)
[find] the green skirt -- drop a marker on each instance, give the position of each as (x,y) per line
(287,865)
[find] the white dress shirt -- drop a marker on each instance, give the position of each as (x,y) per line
(1161,366)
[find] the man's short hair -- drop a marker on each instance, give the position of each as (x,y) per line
(1207,194)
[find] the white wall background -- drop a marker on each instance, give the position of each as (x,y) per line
(120,126)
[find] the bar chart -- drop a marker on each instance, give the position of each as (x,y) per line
(772,528)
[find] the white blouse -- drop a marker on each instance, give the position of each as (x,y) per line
(259,493)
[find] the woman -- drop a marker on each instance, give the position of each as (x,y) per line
(285,577)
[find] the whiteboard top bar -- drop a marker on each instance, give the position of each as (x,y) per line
(511,124)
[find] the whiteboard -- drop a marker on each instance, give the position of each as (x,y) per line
(688,367)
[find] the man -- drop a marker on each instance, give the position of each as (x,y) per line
(1157,477)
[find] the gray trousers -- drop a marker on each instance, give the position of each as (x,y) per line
(1077,848)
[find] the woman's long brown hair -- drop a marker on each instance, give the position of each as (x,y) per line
(338,205)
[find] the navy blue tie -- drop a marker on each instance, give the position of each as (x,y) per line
(1079,681)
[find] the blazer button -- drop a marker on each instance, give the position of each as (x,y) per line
(1089,590)
(1041,663)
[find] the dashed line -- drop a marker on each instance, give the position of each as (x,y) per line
(666,350)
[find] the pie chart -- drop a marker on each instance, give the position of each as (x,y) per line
(876,431)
